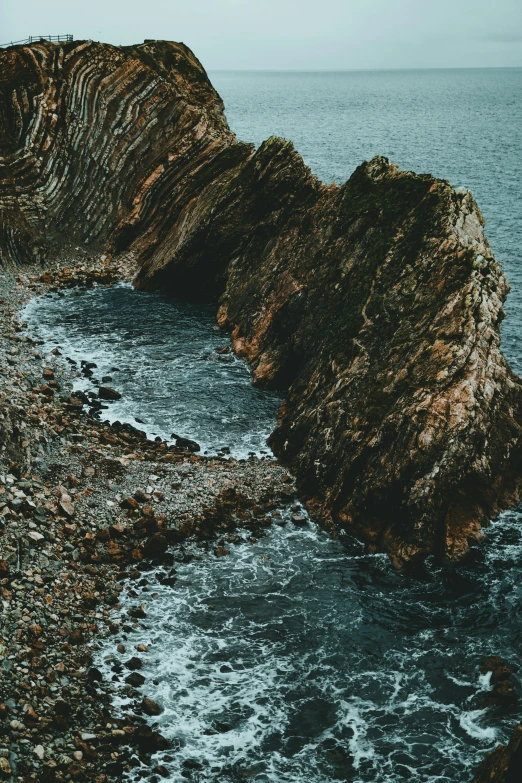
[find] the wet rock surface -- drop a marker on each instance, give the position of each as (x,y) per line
(85,507)
(377,305)
(504,764)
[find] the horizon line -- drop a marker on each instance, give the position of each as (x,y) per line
(359,70)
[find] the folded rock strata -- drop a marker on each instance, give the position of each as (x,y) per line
(375,305)
(90,132)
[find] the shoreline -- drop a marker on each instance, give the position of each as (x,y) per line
(87,510)
(79,524)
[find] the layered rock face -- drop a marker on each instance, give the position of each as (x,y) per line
(91,132)
(375,305)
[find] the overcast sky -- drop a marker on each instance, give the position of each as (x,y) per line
(291,34)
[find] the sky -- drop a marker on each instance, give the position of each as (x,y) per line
(291,34)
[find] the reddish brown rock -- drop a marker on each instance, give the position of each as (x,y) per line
(77,636)
(155,546)
(497,666)
(151,707)
(130,504)
(66,507)
(375,305)
(504,764)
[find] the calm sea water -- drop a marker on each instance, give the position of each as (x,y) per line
(300,659)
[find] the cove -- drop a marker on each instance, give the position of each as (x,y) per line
(296,657)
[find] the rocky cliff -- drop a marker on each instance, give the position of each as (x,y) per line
(91,132)
(376,305)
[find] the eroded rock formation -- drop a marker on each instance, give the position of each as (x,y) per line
(376,305)
(91,132)
(504,764)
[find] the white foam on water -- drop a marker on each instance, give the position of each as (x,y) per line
(289,703)
(469,722)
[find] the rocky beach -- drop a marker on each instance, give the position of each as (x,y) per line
(87,510)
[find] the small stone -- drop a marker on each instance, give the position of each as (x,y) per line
(35,536)
(39,751)
(134,663)
(5,767)
(107,393)
(76,637)
(299,520)
(130,503)
(151,707)
(62,707)
(67,507)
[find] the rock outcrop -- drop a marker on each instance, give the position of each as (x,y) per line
(91,132)
(376,305)
(504,764)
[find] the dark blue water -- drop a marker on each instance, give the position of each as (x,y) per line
(300,659)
